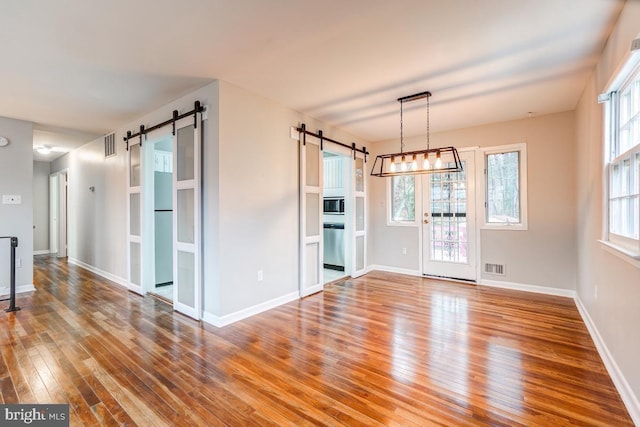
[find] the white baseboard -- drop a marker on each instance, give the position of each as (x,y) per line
(626,392)
(228,319)
(493,283)
(528,288)
(388,269)
(19,289)
(116,279)
(42,252)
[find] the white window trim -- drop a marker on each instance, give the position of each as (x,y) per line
(417,203)
(523,225)
(625,255)
(623,247)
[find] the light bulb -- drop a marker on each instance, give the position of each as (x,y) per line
(392,168)
(414,163)
(438,161)
(426,164)
(403,164)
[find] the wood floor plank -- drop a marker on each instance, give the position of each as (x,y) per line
(383,349)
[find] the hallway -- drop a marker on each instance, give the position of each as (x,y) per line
(383,349)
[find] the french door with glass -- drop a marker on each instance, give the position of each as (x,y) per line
(449,222)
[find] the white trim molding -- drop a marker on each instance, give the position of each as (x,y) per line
(227,319)
(398,270)
(623,254)
(626,392)
(112,277)
(19,289)
(559,292)
(568,293)
(42,252)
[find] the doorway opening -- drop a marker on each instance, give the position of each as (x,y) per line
(58,200)
(336,207)
(166,256)
(162,219)
(347,211)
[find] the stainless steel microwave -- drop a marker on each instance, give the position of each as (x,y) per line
(334,205)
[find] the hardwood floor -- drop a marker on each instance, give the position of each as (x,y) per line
(384,349)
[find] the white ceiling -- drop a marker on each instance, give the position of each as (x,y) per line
(81,68)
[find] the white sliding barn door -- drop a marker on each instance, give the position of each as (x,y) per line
(134,231)
(359,243)
(187,256)
(311,225)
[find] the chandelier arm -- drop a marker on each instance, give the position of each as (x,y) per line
(428,124)
(401,130)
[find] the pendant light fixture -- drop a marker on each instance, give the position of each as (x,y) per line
(433,160)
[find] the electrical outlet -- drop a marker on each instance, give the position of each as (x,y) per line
(404,251)
(260,276)
(11,199)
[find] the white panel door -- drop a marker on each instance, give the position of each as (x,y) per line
(187,257)
(449,222)
(311,226)
(359,243)
(134,231)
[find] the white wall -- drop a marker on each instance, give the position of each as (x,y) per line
(608,286)
(16,178)
(543,255)
(258,198)
(250,198)
(41,171)
(98,220)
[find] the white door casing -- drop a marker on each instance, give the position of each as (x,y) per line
(449,229)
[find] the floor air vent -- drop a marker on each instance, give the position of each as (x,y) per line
(109,145)
(494,269)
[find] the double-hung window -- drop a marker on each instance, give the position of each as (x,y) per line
(505,189)
(402,200)
(622,155)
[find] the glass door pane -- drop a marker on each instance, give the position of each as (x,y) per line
(448,213)
(134,232)
(359,235)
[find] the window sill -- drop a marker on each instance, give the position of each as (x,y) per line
(402,224)
(505,227)
(632,258)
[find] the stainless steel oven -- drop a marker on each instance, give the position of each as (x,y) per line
(334,246)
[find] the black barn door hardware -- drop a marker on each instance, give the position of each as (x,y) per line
(197,108)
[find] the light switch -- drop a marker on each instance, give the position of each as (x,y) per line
(11,199)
